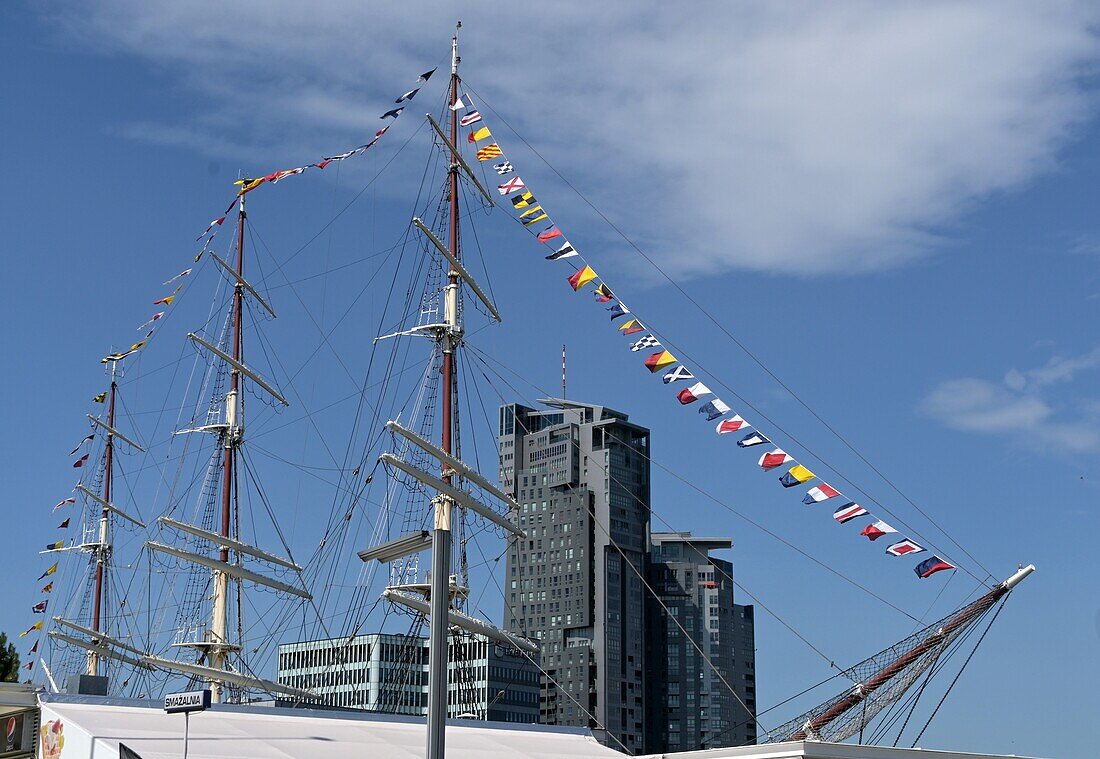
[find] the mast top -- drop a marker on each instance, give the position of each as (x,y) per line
(454,50)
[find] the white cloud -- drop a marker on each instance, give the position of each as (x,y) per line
(976,405)
(1022,406)
(805,137)
(1063,368)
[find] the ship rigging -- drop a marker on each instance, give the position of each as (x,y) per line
(434,497)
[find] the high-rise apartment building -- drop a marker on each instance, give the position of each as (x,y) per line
(691,614)
(580,473)
(612,659)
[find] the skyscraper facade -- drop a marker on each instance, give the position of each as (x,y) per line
(613,659)
(580,473)
(692,617)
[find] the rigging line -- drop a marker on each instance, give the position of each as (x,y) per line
(729,576)
(279,266)
(195,364)
(422,405)
(289,553)
(913,702)
(370,363)
(675,619)
(790,627)
(297,395)
(296,464)
(324,335)
(645,583)
(480,254)
(739,344)
(261,430)
(392,356)
(889,715)
(511,612)
(769,532)
(729,508)
(389,367)
(334,269)
(959,673)
(773,707)
(939,662)
(936,599)
(879,507)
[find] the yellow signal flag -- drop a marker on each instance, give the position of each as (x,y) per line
(247,185)
(582,277)
(659,361)
(524,200)
(480,134)
(796,475)
(36,626)
(489,152)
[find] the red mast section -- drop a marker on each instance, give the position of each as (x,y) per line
(103,549)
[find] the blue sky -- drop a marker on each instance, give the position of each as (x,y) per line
(894,209)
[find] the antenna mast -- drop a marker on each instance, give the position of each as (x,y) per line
(563,371)
(449,340)
(103,547)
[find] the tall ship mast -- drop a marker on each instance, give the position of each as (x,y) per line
(438,597)
(220,577)
(215,645)
(98,530)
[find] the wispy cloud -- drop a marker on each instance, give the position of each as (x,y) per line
(796,137)
(1025,406)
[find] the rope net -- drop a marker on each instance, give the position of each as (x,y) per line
(877,686)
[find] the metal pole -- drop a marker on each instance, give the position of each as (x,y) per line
(438,654)
(186,731)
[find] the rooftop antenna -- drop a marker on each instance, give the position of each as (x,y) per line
(563,371)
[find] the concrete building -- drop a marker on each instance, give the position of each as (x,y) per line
(613,656)
(580,473)
(693,609)
(388,673)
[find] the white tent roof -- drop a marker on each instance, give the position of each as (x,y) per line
(232,732)
(94,726)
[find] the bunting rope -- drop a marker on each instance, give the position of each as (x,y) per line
(536,219)
(151,325)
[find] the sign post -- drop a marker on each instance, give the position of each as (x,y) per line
(191,701)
